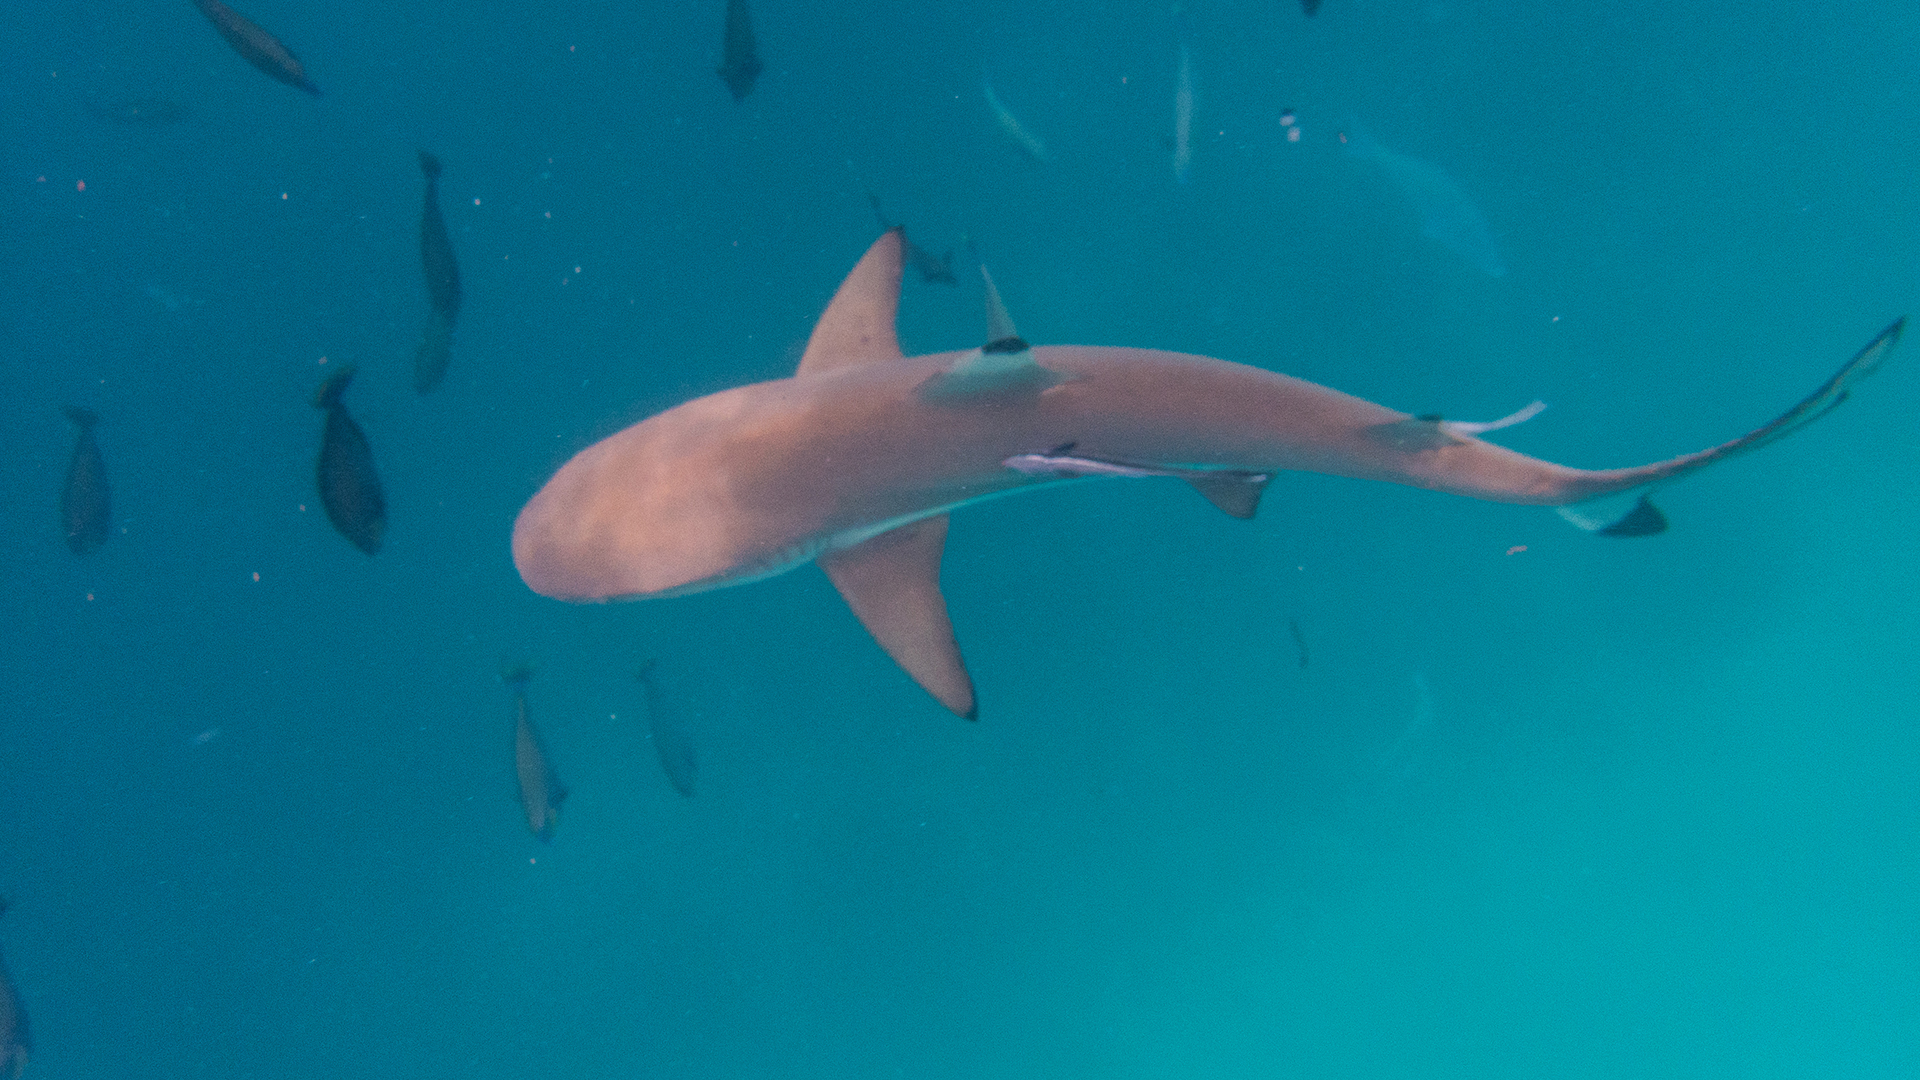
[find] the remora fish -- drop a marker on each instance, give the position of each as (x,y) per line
(1448,215)
(349,487)
(86,505)
(671,740)
(15,1041)
(922,260)
(1012,126)
(856,460)
(443,284)
(541,791)
(258,47)
(739,63)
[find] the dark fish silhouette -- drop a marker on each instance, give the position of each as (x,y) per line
(541,791)
(15,1042)
(1299,641)
(443,284)
(86,508)
(258,47)
(1310,6)
(930,268)
(739,65)
(671,740)
(138,112)
(349,487)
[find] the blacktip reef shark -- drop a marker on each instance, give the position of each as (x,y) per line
(856,460)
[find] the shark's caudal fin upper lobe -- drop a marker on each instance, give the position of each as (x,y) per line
(1626,510)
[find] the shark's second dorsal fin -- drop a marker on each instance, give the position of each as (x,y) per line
(892,583)
(857,327)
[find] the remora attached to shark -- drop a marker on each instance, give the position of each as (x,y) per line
(856,460)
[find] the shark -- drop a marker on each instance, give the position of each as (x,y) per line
(857,460)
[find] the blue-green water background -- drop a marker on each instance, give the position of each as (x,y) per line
(1594,809)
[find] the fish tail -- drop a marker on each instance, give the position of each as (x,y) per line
(328,396)
(516,675)
(429,165)
(85,418)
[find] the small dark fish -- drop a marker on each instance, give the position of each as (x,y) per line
(541,791)
(138,112)
(930,268)
(1311,7)
(86,506)
(739,65)
(256,46)
(443,284)
(1299,641)
(349,487)
(670,740)
(15,1042)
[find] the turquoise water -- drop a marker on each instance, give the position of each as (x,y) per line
(1592,809)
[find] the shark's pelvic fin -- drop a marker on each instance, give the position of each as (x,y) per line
(892,583)
(858,326)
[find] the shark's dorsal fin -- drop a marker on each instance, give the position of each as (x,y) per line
(1237,493)
(1001,336)
(892,583)
(857,327)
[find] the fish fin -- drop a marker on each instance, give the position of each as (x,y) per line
(892,583)
(1236,493)
(857,327)
(989,373)
(1629,513)
(1001,336)
(84,418)
(328,396)
(1621,484)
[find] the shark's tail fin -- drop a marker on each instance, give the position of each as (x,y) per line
(1623,507)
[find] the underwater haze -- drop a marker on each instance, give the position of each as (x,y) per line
(1381,784)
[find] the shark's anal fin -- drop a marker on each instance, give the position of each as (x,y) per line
(858,326)
(1236,493)
(892,583)
(1630,513)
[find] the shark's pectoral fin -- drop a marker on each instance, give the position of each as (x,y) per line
(1237,493)
(892,583)
(1630,513)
